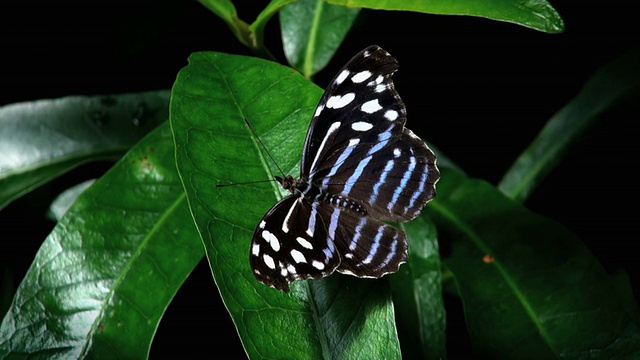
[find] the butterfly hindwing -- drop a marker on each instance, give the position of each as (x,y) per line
(291,243)
(368,247)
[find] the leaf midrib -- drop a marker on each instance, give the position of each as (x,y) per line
(511,283)
(322,338)
(165,216)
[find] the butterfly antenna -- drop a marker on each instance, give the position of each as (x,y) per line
(264,147)
(244,183)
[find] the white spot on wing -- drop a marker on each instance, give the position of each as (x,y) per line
(361,126)
(304,243)
(255,249)
(343,75)
(291,269)
(361,76)
(396,152)
(330,132)
(268,260)
(319,110)
(371,106)
(391,115)
(271,239)
(285,223)
(298,256)
(262,224)
(338,102)
(318,265)
(380,88)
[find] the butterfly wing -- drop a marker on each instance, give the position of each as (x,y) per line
(299,240)
(367,247)
(291,242)
(357,145)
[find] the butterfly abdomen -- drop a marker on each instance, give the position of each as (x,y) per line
(345,203)
(314,193)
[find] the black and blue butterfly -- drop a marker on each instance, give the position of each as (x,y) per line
(360,169)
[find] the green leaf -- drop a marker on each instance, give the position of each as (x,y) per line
(312,31)
(338,317)
(417,294)
(43,139)
(529,287)
(227,12)
(535,14)
(224,9)
(252,35)
(102,279)
(616,82)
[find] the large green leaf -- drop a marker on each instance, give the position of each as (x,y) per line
(43,139)
(338,317)
(102,279)
(535,14)
(529,287)
(312,31)
(616,82)
(417,294)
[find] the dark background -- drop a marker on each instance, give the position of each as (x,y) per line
(479,90)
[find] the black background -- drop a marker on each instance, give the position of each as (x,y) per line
(479,90)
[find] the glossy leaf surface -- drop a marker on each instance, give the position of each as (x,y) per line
(535,14)
(618,81)
(312,31)
(337,317)
(43,139)
(530,288)
(417,294)
(102,279)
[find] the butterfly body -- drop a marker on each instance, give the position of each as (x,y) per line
(313,193)
(360,168)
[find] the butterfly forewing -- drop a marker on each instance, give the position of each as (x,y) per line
(360,167)
(365,152)
(362,87)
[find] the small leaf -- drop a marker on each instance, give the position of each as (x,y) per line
(43,139)
(102,279)
(536,14)
(312,31)
(223,8)
(63,202)
(417,294)
(615,82)
(336,317)
(529,287)
(252,35)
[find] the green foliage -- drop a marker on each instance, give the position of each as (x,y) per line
(86,293)
(307,45)
(528,279)
(124,244)
(69,132)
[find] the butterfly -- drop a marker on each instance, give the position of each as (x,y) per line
(360,168)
